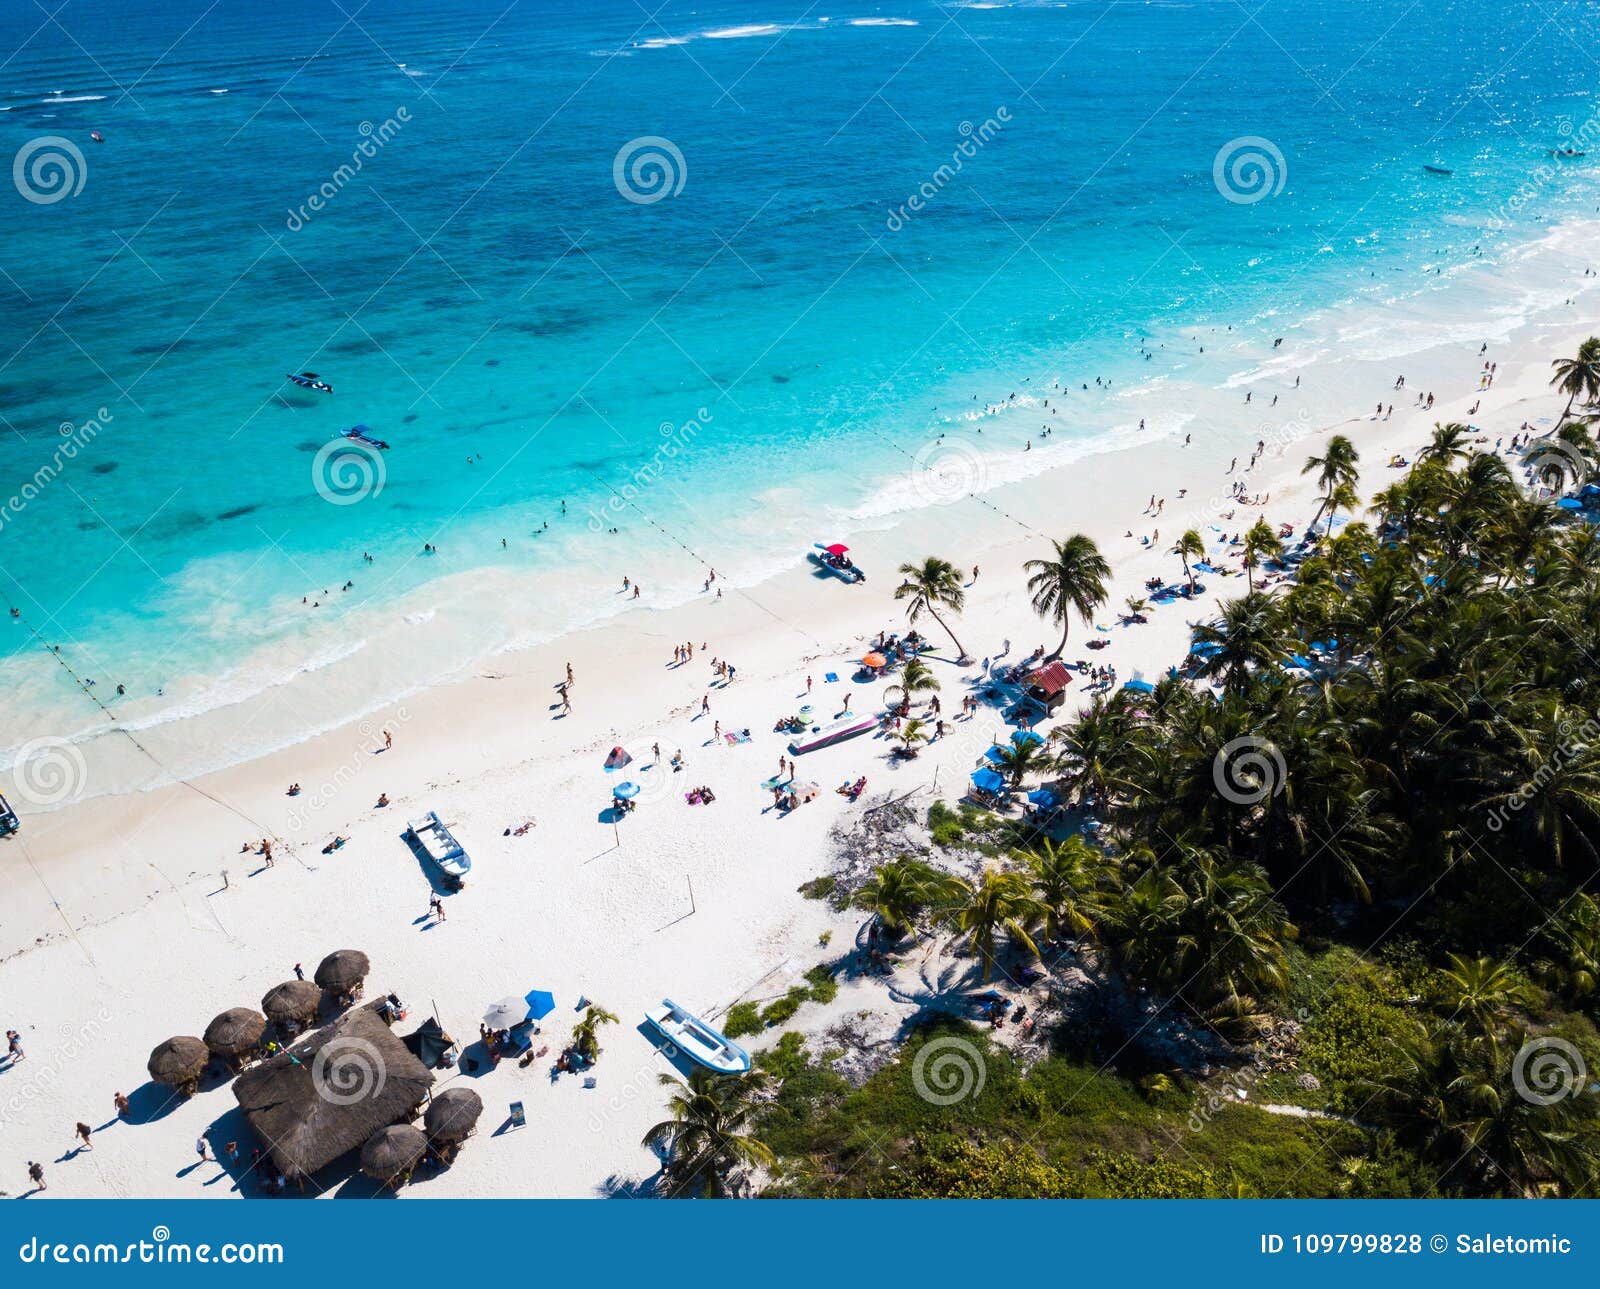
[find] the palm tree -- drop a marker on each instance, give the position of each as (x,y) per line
(1260,543)
(1335,467)
(706,1146)
(1448,445)
(1072,580)
(911,734)
(917,678)
(930,586)
(1017,758)
(899,892)
(1190,546)
(1578,377)
(1481,993)
(1066,879)
(1251,635)
(1000,904)
(585,1034)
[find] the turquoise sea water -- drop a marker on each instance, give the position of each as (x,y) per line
(753,361)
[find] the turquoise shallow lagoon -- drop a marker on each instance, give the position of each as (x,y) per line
(881,221)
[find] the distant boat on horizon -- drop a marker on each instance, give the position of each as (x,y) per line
(1437,170)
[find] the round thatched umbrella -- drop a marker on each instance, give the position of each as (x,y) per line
(452,1116)
(294,1002)
(178,1063)
(342,971)
(235,1033)
(392,1151)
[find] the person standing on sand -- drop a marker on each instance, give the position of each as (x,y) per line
(299,972)
(82,1131)
(266,853)
(705,704)
(808,684)
(200,1149)
(388,740)
(36,1176)
(14,1046)
(121,1104)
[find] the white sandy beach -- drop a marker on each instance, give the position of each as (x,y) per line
(135,917)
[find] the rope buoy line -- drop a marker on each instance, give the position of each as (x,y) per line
(972,496)
(154,760)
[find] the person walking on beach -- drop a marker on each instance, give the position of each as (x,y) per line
(14,1046)
(200,1150)
(82,1131)
(36,1176)
(299,972)
(266,853)
(121,1103)
(388,740)
(705,705)
(808,684)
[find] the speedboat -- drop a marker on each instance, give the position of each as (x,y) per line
(692,1036)
(835,559)
(1567,151)
(821,736)
(9,823)
(310,380)
(361,434)
(440,846)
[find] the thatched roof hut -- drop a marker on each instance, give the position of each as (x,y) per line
(294,1002)
(343,970)
(179,1063)
(392,1151)
(452,1116)
(235,1033)
(329,1093)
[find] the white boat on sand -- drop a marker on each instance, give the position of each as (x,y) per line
(440,846)
(692,1036)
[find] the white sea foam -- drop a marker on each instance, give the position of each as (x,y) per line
(73,98)
(884,22)
(742,33)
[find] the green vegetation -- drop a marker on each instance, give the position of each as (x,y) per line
(743,1018)
(819,888)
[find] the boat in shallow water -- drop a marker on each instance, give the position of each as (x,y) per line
(692,1036)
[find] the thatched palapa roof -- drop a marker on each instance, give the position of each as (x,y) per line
(390,1151)
(178,1061)
(327,1094)
(452,1115)
(237,1031)
(342,970)
(293,1000)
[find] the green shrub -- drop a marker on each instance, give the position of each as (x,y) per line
(819,888)
(1352,1039)
(743,1018)
(786,1058)
(780,1010)
(824,988)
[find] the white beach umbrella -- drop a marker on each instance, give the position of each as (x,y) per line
(506,1013)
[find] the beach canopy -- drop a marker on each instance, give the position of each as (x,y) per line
(1050,679)
(1140,686)
(1026,738)
(392,1150)
(1205,648)
(179,1061)
(987,781)
(874,660)
(329,1093)
(342,970)
(617,758)
(838,548)
(506,1013)
(292,1001)
(1299,660)
(1570,503)
(627,790)
(541,1002)
(235,1032)
(1042,797)
(452,1115)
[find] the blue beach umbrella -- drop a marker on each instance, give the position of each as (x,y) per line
(626,790)
(541,1002)
(1022,738)
(1140,686)
(987,781)
(1570,503)
(1042,797)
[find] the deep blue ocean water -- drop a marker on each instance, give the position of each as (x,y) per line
(482,295)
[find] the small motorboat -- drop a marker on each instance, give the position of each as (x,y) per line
(97,136)
(835,559)
(693,1037)
(1437,170)
(438,843)
(821,736)
(9,823)
(309,380)
(361,434)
